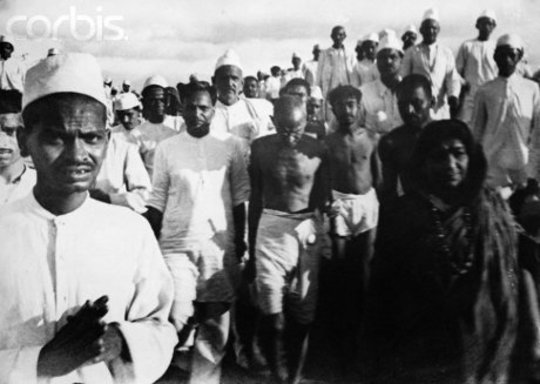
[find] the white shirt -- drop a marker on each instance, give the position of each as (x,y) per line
(247,119)
(292,74)
(52,264)
(379,109)
(437,63)
(272,87)
(19,186)
(310,72)
(12,74)
(335,68)
(475,63)
(123,175)
(148,135)
(506,121)
(197,182)
(364,72)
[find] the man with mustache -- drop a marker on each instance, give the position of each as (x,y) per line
(435,61)
(245,118)
(16,178)
(197,209)
(379,110)
(86,291)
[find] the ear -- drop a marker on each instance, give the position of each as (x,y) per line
(22,137)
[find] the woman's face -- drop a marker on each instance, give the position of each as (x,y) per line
(446,165)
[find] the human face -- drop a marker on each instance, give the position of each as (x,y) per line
(154,104)
(346,111)
(198,113)
(6,50)
(10,123)
(370,48)
(485,26)
(129,118)
(409,38)
(251,89)
(430,30)
(314,109)
(290,126)
(446,165)
(507,59)
(388,62)
(299,91)
(296,63)
(229,82)
(338,36)
(316,52)
(414,105)
(67,145)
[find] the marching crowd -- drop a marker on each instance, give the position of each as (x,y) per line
(388,202)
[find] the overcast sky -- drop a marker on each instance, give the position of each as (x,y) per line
(178,37)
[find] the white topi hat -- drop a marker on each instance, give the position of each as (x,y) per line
(230,57)
(126,101)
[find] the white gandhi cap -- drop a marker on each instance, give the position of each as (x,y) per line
(157,80)
(72,72)
(390,41)
(431,14)
(230,57)
(126,101)
(489,13)
(512,40)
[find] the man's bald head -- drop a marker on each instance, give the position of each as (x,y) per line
(290,118)
(338,35)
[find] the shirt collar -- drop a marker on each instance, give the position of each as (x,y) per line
(74,215)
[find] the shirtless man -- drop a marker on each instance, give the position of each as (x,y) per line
(354,171)
(288,180)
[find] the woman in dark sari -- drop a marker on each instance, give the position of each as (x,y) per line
(444,289)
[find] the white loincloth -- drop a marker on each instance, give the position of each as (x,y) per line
(287,261)
(357,213)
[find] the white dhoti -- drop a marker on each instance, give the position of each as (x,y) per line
(356,213)
(287,260)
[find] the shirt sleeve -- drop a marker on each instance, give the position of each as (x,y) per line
(533,167)
(240,188)
(136,180)
(452,79)
(160,181)
(320,69)
(149,336)
(479,116)
(19,365)
(461,60)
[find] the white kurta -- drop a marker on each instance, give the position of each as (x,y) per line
(272,87)
(335,68)
(364,72)
(437,63)
(291,74)
(475,63)
(506,121)
(123,175)
(19,187)
(12,74)
(52,264)
(148,135)
(379,109)
(246,119)
(310,71)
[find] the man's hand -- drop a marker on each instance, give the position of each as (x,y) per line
(98,194)
(85,339)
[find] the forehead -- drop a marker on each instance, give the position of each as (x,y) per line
(154,92)
(297,89)
(251,82)
(228,71)
(338,31)
(346,99)
(200,98)
(486,20)
(388,52)
(415,91)
(69,112)
(448,144)
(430,23)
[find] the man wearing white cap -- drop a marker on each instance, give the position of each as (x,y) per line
(436,62)
(379,110)
(506,120)
(316,126)
(295,72)
(409,37)
(335,65)
(155,129)
(245,118)
(475,62)
(310,67)
(12,73)
(16,178)
(85,285)
(197,208)
(123,179)
(365,69)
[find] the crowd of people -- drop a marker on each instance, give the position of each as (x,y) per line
(386,204)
